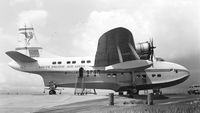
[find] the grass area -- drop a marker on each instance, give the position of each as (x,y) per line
(175,108)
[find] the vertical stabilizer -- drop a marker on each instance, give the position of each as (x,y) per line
(27,43)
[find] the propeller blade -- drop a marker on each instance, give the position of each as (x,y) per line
(152,47)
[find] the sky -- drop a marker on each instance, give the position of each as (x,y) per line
(73,27)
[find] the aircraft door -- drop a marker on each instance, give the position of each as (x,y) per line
(124,79)
(133,79)
(81,71)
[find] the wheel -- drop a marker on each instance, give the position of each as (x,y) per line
(54,92)
(121,93)
(51,92)
(133,92)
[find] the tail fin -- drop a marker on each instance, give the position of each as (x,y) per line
(19,57)
(27,43)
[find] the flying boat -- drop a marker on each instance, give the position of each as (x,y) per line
(119,65)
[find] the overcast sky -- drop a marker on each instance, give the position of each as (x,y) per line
(73,27)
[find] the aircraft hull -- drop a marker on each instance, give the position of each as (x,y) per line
(116,82)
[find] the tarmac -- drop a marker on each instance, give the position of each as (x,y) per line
(64,103)
(137,104)
(31,103)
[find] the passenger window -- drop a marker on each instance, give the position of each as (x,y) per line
(68,62)
(91,72)
(59,62)
(153,75)
(83,61)
(144,76)
(88,61)
(53,62)
(159,75)
(176,71)
(114,75)
(73,62)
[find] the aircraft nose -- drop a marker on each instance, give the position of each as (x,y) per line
(183,69)
(187,72)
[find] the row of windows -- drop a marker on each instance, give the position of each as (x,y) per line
(71,62)
(97,73)
(144,75)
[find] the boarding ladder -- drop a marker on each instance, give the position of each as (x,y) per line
(79,84)
(80,88)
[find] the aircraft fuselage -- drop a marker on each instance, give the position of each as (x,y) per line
(65,71)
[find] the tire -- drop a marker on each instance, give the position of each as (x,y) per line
(51,92)
(54,92)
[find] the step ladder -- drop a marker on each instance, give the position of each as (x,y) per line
(79,86)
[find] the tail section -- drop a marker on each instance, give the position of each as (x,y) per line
(27,44)
(19,57)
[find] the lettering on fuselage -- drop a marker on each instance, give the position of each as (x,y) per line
(61,66)
(44,67)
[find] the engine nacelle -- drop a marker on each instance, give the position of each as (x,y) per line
(143,49)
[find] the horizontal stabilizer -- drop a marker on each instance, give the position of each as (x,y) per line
(130,65)
(19,57)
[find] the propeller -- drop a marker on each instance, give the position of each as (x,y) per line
(152,47)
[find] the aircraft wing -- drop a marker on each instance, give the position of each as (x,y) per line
(19,57)
(129,65)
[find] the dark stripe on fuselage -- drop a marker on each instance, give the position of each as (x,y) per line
(93,85)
